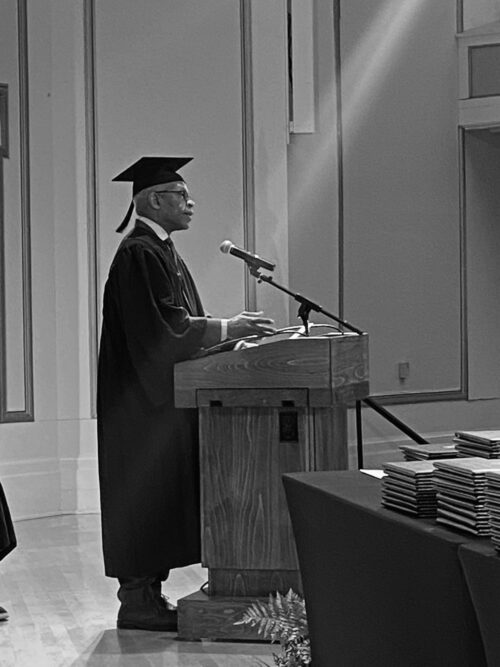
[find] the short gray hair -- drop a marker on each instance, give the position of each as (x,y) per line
(141,200)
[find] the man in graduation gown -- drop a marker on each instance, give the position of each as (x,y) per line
(147,448)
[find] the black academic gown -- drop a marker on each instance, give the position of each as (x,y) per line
(148,449)
(7,534)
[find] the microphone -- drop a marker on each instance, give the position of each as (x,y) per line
(254,260)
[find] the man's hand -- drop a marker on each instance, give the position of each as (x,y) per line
(248,324)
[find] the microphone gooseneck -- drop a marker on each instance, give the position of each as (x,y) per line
(254,263)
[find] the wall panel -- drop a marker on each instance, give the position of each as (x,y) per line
(313,183)
(403,280)
(479,12)
(482,206)
(16,372)
(172,87)
(270,125)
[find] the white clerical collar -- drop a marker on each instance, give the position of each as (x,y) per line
(158,229)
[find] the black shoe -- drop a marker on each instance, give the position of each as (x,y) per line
(143,607)
(147,619)
(4,614)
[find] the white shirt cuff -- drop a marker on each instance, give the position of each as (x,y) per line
(223,330)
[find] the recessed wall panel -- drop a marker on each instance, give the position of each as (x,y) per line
(482,201)
(13,284)
(484,70)
(402,224)
(15,299)
(168,82)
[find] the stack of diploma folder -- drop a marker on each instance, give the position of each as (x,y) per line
(461,493)
(426,452)
(485,444)
(409,487)
(493,506)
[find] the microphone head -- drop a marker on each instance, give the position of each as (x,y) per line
(225,246)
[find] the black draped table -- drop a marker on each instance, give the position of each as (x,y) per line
(481,567)
(381,589)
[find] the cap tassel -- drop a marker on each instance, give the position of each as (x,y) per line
(126,219)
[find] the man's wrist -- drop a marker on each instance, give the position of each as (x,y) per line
(223,329)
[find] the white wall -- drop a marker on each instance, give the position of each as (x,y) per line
(168,83)
(400,181)
(179,86)
(313,183)
(482,158)
(480,12)
(12,216)
(48,466)
(172,87)
(401,189)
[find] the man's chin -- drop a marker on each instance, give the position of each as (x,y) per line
(182,225)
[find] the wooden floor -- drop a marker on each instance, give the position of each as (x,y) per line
(62,609)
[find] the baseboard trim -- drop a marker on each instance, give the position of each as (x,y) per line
(50,515)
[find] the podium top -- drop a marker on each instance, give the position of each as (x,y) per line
(332,369)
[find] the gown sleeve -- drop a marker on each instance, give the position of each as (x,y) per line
(157,331)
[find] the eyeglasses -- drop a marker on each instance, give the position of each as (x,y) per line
(183,193)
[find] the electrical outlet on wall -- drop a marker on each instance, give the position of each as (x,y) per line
(403,370)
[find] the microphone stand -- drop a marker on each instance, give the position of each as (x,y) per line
(306,305)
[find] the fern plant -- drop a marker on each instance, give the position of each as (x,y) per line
(283,618)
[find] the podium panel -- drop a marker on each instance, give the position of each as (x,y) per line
(244,520)
(265,411)
(334,369)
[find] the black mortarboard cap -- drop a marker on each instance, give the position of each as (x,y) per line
(149,171)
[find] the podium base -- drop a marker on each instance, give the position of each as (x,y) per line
(200,616)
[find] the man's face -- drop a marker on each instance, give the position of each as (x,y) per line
(176,207)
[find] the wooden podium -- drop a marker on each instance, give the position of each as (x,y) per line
(263,411)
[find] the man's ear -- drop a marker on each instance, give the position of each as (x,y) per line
(154,200)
